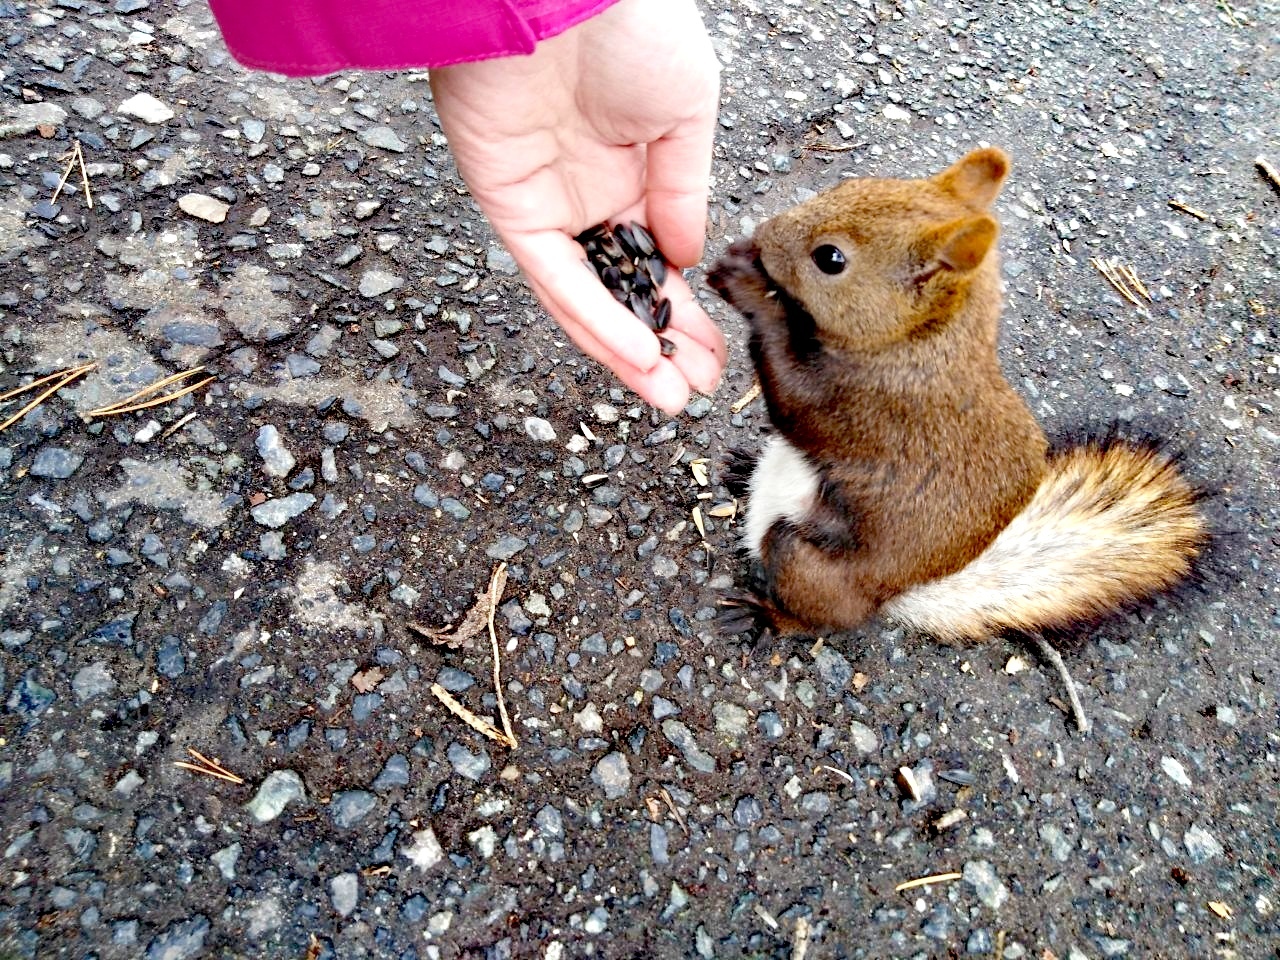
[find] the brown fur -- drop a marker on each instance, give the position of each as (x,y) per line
(886,377)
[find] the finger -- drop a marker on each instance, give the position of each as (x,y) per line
(688,316)
(676,187)
(663,386)
(554,264)
(697,365)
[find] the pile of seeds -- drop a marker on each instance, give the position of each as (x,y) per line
(630,266)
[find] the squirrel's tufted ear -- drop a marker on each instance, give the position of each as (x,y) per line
(962,244)
(976,178)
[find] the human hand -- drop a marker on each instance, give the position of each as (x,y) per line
(611,120)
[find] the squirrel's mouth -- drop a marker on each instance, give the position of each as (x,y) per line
(740,277)
(742,281)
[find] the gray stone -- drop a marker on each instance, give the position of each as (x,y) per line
(384,138)
(731,719)
(276,460)
(55,463)
(664,567)
(344,893)
(349,807)
(92,681)
(982,876)
(377,283)
(278,512)
(681,737)
(747,811)
(193,333)
(225,860)
(539,429)
(424,851)
(180,941)
(24,118)
(863,737)
(506,547)
(395,773)
(1201,845)
(834,669)
(499,260)
(473,766)
(613,775)
(146,108)
(280,788)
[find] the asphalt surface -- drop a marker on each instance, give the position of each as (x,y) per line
(392,416)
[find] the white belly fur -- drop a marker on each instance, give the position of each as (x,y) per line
(783,486)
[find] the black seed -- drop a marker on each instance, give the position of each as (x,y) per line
(611,277)
(610,248)
(643,285)
(643,240)
(668,348)
(640,307)
(658,270)
(621,296)
(623,236)
(627,267)
(592,233)
(662,316)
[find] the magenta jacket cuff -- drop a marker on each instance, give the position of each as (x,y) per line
(315,37)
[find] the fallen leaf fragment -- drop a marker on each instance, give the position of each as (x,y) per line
(367,680)
(473,623)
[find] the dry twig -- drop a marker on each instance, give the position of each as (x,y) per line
(63,377)
(1050,654)
(1198,214)
(73,157)
(478,724)
(671,805)
(497,583)
(477,618)
(210,768)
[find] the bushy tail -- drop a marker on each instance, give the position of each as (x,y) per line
(1112,523)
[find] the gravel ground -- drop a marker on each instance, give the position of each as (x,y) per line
(392,415)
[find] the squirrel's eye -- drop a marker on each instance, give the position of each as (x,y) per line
(829,259)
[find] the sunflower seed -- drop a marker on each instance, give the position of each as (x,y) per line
(628,263)
(643,240)
(662,316)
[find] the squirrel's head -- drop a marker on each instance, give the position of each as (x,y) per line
(872,262)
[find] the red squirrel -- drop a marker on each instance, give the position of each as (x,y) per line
(906,477)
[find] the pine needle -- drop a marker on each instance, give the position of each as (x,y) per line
(64,377)
(135,402)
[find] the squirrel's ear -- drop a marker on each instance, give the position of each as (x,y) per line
(962,244)
(976,178)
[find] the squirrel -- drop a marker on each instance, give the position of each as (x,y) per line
(905,476)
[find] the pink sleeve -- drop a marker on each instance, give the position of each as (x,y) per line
(313,37)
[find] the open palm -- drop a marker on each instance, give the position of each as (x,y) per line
(612,120)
